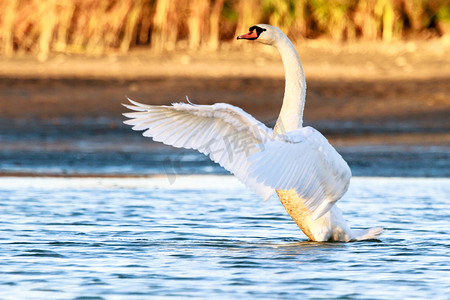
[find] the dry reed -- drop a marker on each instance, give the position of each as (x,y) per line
(95,27)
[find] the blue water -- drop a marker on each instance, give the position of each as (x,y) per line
(97,148)
(207,236)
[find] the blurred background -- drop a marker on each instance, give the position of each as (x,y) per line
(378,75)
(98,27)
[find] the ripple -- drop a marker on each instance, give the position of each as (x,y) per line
(211,238)
(40,253)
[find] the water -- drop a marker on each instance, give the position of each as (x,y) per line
(108,147)
(207,236)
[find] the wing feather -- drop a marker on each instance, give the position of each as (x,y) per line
(214,130)
(301,160)
(183,136)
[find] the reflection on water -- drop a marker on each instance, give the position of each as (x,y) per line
(208,236)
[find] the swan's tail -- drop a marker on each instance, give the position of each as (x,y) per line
(367,234)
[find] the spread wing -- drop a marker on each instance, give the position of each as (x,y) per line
(303,160)
(227,134)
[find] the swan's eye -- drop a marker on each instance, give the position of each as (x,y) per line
(259,30)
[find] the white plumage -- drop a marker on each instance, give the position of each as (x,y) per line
(225,133)
(302,159)
(299,159)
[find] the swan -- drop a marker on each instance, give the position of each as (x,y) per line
(306,172)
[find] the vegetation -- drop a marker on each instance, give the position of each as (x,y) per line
(94,27)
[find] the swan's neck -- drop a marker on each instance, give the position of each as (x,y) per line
(291,115)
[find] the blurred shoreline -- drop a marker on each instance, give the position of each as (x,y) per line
(385,107)
(346,81)
(321,59)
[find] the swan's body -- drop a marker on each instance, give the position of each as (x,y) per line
(297,162)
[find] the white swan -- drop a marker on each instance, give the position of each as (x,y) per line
(297,162)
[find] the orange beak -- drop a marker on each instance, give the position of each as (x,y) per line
(252,35)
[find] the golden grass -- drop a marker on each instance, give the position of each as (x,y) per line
(95,27)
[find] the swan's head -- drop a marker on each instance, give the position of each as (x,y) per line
(263,33)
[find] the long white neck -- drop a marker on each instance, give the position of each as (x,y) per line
(291,115)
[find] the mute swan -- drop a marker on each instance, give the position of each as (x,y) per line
(297,162)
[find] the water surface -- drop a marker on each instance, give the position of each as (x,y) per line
(208,236)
